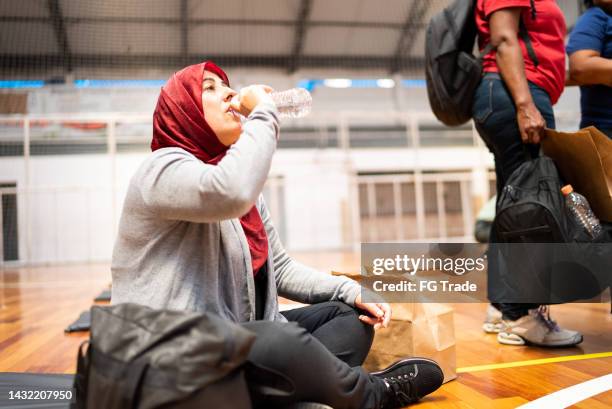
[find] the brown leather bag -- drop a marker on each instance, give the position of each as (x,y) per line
(584,160)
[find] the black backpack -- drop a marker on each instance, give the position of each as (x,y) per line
(531,207)
(452,72)
(531,216)
(144,358)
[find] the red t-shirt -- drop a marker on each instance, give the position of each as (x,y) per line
(547,34)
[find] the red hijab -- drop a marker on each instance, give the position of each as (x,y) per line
(179,121)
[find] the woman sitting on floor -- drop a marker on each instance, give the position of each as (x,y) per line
(195,235)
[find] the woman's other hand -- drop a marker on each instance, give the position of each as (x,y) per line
(249,97)
(378,314)
(530,123)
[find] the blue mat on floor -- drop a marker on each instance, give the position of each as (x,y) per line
(103,296)
(83,323)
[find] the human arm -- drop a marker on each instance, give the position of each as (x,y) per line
(177,186)
(569,81)
(586,43)
(304,284)
(588,67)
(299,282)
(504,24)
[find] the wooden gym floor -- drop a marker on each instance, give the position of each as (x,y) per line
(37,303)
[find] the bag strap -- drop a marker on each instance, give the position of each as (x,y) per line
(526,152)
(488,48)
(134,378)
(81,378)
(131,374)
(524,35)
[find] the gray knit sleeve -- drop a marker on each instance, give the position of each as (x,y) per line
(299,282)
(175,185)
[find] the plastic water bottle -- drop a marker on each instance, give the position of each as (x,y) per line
(580,208)
(292,103)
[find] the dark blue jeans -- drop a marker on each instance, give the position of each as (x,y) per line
(495,119)
(607,131)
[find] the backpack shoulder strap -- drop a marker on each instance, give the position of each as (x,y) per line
(488,48)
(525,37)
(81,378)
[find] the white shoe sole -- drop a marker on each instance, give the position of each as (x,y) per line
(507,338)
(492,328)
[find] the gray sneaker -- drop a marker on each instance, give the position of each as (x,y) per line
(537,328)
(307,405)
(493,321)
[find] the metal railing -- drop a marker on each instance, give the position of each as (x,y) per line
(113,125)
(399,215)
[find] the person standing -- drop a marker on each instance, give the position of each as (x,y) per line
(512,106)
(590,62)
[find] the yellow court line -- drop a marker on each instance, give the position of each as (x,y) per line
(533,362)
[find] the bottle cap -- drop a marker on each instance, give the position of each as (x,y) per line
(567,189)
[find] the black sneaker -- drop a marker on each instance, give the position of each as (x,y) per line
(409,380)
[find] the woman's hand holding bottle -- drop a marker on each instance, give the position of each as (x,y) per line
(249,97)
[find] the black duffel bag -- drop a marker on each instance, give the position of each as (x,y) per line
(541,254)
(143,358)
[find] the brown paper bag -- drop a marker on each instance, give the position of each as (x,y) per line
(584,159)
(424,330)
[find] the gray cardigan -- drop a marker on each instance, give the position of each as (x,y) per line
(180,244)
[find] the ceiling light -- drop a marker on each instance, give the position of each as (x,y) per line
(338,83)
(385,83)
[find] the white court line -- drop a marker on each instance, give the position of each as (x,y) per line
(574,394)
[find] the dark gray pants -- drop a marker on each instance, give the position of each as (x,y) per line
(319,353)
